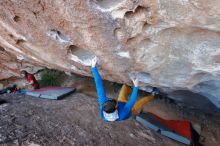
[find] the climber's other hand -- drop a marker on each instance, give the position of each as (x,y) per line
(94,61)
(135,82)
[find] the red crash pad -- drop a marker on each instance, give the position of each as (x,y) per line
(178,130)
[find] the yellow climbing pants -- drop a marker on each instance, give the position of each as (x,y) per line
(124,95)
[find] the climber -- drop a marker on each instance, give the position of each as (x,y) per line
(123,108)
(30,79)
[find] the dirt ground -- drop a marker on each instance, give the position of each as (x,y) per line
(74,120)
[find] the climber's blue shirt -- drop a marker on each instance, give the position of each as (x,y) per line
(124,109)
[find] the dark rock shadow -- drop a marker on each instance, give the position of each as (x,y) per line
(193,100)
(3,101)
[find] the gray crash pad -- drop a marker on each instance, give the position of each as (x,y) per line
(51,92)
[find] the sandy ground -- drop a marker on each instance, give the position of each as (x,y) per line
(75,120)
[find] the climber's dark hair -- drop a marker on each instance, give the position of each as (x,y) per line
(110,106)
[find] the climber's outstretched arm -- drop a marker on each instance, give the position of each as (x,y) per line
(130,103)
(98,81)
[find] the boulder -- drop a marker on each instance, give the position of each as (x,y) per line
(170,44)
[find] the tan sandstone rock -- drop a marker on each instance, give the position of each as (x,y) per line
(171,44)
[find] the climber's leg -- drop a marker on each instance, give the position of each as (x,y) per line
(124,93)
(139,104)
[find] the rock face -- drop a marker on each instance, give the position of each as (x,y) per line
(171,44)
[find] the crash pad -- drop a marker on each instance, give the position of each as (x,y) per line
(175,129)
(51,92)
